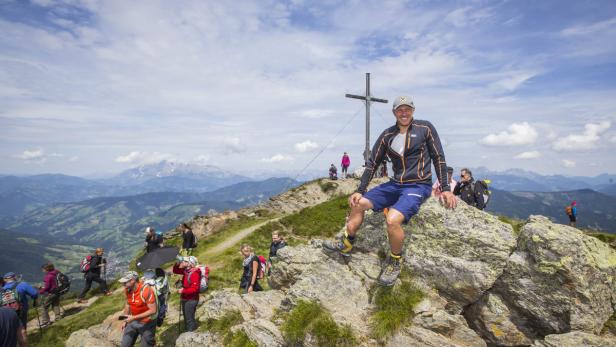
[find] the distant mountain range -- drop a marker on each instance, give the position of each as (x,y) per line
(118,223)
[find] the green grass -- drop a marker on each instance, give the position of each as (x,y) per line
(608,238)
(308,317)
(394,307)
(610,325)
(59,332)
(515,223)
(322,220)
(222,327)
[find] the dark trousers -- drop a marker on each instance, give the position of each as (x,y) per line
(189,307)
(134,329)
(92,277)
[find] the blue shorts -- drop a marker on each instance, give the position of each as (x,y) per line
(404,198)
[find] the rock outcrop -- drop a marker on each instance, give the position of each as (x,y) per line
(549,285)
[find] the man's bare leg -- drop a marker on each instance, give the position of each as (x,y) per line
(356,217)
(391,269)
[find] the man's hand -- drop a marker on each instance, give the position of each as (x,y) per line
(354,199)
(448,200)
(180,290)
(129,319)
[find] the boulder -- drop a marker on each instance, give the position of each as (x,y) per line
(459,252)
(558,280)
(263,332)
(108,333)
(576,339)
(190,339)
(84,338)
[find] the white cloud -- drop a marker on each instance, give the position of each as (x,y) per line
(587,140)
(277,158)
(513,82)
(234,145)
(31,155)
(516,134)
(466,16)
(306,146)
(202,159)
(528,155)
(141,158)
(568,163)
(587,29)
(613,139)
(73,159)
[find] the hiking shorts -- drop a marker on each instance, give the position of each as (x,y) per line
(404,198)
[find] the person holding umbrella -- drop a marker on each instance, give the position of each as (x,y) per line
(189,291)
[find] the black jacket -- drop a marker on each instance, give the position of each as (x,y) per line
(274,247)
(188,240)
(153,242)
(471,193)
(95,265)
(422,146)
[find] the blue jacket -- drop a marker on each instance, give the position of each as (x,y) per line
(24,290)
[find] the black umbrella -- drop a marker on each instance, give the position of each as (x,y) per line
(157,257)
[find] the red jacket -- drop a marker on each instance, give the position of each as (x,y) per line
(190,289)
(50,282)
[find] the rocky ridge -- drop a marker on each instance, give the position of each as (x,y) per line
(549,285)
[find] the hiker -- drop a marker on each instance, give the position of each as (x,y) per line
(412,146)
(277,243)
(333,172)
(345,163)
(571,211)
(140,311)
(15,296)
(249,281)
(470,192)
(12,331)
(189,291)
(436,187)
(153,239)
(50,293)
(161,281)
(93,274)
(188,240)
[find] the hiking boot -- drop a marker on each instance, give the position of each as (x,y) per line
(390,272)
(82,301)
(343,246)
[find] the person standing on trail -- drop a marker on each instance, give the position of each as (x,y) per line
(189,291)
(51,296)
(153,240)
(15,296)
(188,240)
(345,163)
(571,211)
(249,281)
(412,146)
(93,274)
(140,311)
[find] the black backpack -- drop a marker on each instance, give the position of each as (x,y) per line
(486,191)
(63,284)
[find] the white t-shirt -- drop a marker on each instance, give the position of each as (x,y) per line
(437,186)
(398,143)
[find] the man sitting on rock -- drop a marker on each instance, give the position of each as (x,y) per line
(411,144)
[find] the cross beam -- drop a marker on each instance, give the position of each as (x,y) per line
(367,99)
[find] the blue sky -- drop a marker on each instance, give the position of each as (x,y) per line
(258,86)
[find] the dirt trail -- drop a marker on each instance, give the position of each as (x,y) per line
(237,238)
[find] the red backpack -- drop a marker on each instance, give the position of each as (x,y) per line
(261,271)
(85,264)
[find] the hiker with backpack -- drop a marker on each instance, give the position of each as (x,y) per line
(252,270)
(436,187)
(333,172)
(15,296)
(160,280)
(189,289)
(413,146)
(471,192)
(55,285)
(189,241)
(91,267)
(140,311)
(345,163)
(571,211)
(277,243)
(153,239)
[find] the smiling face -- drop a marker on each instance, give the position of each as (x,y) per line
(404,115)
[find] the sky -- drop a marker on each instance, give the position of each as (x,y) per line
(96,87)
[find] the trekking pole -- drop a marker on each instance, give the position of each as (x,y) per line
(180,319)
(39,322)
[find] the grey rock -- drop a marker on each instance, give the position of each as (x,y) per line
(263,332)
(418,336)
(84,338)
(559,280)
(576,339)
(190,339)
(453,327)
